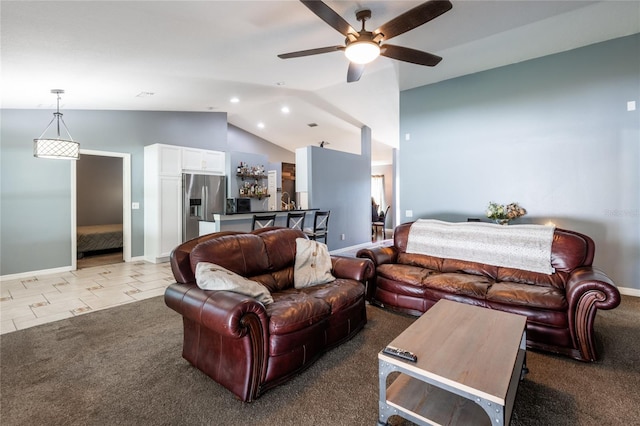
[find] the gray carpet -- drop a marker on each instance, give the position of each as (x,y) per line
(123,366)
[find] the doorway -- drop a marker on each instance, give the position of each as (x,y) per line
(100,201)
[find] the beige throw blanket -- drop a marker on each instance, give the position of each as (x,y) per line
(526,247)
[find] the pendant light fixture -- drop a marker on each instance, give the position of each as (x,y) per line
(57,148)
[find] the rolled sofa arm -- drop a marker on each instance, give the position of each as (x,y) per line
(379,255)
(222,312)
(587,290)
(352,268)
(225,336)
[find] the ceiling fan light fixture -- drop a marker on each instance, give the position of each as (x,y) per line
(362,52)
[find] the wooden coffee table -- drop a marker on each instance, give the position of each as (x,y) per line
(470,360)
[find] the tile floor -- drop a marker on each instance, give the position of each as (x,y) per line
(41,299)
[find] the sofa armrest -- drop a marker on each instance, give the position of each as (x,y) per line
(222,312)
(352,268)
(379,255)
(225,336)
(587,290)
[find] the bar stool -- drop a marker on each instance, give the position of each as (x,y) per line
(263,221)
(381,224)
(296,220)
(320,226)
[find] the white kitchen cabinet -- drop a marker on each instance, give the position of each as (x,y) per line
(168,159)
(162,201)
(163,168)
(170,220)
(202,160)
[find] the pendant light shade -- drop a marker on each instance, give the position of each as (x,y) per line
(56,148)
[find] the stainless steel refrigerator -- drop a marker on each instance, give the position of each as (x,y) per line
(203,196)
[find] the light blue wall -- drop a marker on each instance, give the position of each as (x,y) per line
(341,182)
(35,197)
(242,141)
(553,134)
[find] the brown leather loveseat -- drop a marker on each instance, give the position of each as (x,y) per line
(241,343)
(560,307)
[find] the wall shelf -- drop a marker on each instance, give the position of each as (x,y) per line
(244,176)
(259,197)
(252,190)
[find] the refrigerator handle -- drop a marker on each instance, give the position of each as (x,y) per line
(205,202)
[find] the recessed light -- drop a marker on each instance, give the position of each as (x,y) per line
(261,125)
(285,110)
(234,100)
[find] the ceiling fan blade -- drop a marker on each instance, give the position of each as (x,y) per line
(414,18)
(310,52)
(355,72)
(409,55)
(329,16)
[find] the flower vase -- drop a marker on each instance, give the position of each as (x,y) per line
(502,221)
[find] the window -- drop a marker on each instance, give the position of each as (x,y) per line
(377,192)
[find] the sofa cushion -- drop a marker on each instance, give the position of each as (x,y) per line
(475,286)
(404,273)
(429,262)
(312,264)
(210,276)
(558,279)
(528,295)
(339,294)
(267,280)
(292,311)
(448,265)
(243,254)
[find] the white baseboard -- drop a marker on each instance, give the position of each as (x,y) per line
(356,247)
(59,270)
(629,291)
(31,274)
(350,248)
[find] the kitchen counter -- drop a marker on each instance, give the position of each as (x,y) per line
(242,221)
(249,215)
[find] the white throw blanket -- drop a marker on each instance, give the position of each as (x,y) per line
(526,247)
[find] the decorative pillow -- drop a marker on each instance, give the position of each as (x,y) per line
(312,265)
(210,276)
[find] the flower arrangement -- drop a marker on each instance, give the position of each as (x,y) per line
(504,213)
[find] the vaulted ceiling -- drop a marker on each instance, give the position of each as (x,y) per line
(198,55)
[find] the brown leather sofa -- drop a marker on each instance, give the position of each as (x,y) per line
(560,308)
(249,347)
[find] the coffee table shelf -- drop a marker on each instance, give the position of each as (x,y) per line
(470,361)
(422,402)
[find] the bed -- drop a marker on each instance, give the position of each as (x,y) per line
(98,237)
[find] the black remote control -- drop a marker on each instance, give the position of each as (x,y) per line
(400,353)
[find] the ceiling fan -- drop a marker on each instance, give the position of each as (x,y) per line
(362,47)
